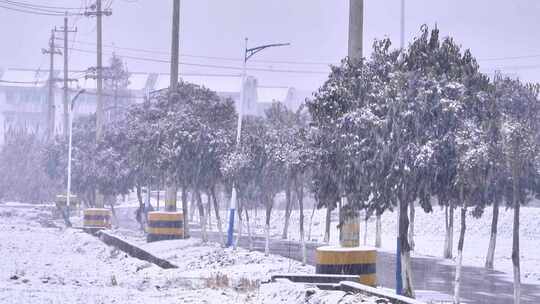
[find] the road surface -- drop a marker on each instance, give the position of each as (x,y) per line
(479,285)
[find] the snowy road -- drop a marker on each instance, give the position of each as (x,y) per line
(430,274)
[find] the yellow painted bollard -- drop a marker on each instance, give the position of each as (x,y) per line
(165,226)
(360,261)
(97,218)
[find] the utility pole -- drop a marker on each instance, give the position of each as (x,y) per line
(50,112)
(399,276)
(66,31)
(171,190)
(402,42)
(349,232)
(98,12)
(356,29)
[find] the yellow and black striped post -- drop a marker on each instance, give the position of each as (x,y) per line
(360,261)
(165,226)
(99,218)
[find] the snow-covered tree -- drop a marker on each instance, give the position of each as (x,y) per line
(195,131)
(519,131)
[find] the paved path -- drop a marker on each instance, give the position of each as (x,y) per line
(432,274)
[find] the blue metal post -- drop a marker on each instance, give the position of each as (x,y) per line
(232,209)
(399,281)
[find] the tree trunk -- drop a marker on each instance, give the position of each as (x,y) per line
(457,284)
(493,238)
(202,218)
(250,236)
(218,217)
(185,212)
(378,228)
(311,220)
(269,205)
(411,225)
(406,267)
(114,218)
(365,228)
(300,195)
(192,213)
(139,212)
(157,202)
(327,225)
(515,236)
(449,236)
(209,210)
(288,207)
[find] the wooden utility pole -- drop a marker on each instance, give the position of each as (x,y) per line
(66,32)
(356,29)
(50,111)
(99,81)
(172,189)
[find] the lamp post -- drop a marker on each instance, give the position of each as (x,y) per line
(68,194)
(247,54)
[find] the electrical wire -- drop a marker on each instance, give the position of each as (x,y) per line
(207,65)
(39,6)
(510,58)
(30,11)
(23,82)
(207,57)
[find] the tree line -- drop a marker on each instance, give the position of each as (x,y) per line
(404,127)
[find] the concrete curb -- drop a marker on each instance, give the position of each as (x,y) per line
(371,291)
(346,283)
(133,250)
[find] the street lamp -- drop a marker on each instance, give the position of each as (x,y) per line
(68,194)
(247,54)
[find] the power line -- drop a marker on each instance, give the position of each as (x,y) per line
(275,61)
(23,82)
(515,67)
(209,57)
(36,12)
(6,2)
(79,74)
(29,11)
(510,58)
(207,65)
(32,5)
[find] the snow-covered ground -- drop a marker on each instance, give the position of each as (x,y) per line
(429,235)
(44,263)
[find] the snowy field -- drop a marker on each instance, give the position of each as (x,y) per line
(429,235)
(45,263)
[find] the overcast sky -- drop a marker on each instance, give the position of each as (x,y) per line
(316,29)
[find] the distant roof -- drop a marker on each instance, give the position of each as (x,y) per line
(223,84)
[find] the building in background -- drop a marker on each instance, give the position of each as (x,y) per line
(24,93)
